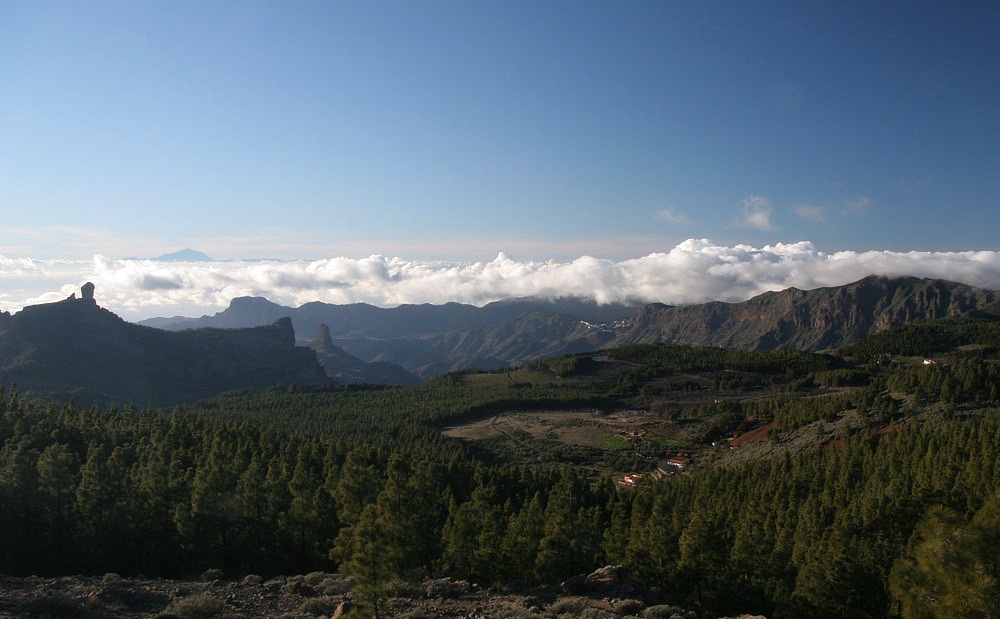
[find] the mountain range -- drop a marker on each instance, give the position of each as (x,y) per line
(74,349)
(819,319)
(427,340)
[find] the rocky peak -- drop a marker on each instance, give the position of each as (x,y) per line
(323,342)
(87,293)
(287,331)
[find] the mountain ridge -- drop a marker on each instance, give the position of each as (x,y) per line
(818,319)
(432,339)
(74,349)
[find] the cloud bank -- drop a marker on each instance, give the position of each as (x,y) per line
(695,271)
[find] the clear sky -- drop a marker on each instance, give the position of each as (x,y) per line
(314,132)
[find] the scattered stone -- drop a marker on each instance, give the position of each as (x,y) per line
(298,587)
(609,581)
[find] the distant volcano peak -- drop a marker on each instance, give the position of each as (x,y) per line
(185,255)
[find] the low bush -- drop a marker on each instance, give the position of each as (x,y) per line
(315,578)
(252,580)
(568,605)
(201,606)
(445,588)
(629,607)
(336,585)
(664,611)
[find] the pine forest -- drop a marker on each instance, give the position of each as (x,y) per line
(871,488)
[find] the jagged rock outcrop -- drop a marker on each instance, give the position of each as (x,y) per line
(76,349)
(346,368)
(87,293)
(609,581)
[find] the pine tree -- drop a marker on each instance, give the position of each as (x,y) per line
(57,470)
(520,544)
(951,568)
(369,560)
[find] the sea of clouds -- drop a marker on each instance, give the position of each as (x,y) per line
(694,271)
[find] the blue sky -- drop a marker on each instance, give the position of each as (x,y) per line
(451,131)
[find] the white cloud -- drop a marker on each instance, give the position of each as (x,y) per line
(756,213)
(848,209)
(694,271)
(671,215)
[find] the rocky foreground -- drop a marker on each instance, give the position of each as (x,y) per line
(605,594)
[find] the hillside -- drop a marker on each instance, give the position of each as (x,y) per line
(74,349)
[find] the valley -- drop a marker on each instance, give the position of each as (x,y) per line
(686,415)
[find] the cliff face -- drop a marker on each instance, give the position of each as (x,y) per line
(76,349)
(814,320)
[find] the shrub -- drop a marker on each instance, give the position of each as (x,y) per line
(336,585)
(201,606)
(664,611)
(629,607)
(274,584)
(568,605)
(532,602)
(298,586)
(445,588)
(513,612)
(314,578)
(400,588)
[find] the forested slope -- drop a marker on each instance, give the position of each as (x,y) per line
(360,480)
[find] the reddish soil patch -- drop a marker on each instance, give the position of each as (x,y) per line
(759,434)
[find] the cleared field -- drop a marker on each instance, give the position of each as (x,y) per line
(574,427)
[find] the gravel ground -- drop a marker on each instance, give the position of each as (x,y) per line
(605,594)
